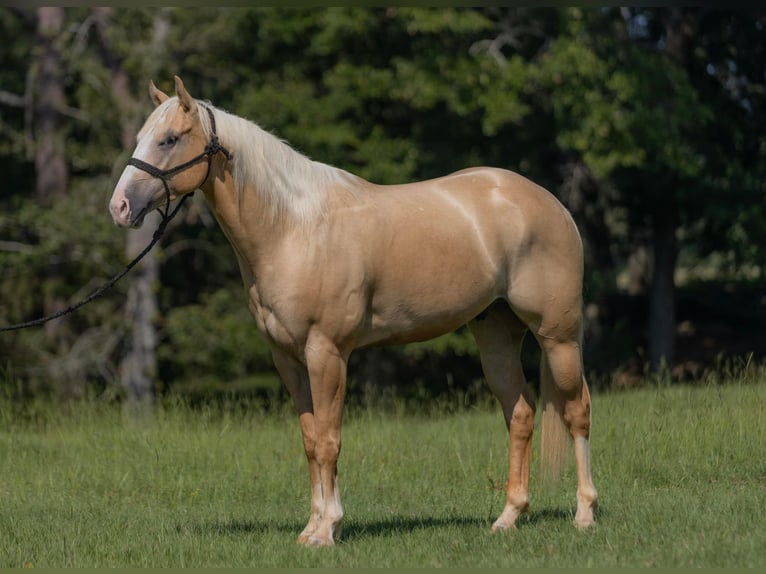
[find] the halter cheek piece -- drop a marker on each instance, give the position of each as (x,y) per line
(212,148)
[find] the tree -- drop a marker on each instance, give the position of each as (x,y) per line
(567,97)
(138,365)
(631,102)
(50,164)
(56,243)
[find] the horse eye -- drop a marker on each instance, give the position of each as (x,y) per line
(169,141)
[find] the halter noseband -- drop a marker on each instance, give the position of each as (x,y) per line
(212,148)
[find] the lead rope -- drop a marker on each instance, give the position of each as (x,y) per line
(212,148)
(109,284)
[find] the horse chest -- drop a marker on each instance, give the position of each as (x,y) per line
(275,324)
(287,312)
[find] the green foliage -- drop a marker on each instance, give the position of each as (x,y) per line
(392,94)
(214,341)
(460,342)
(609,113)
(62,254)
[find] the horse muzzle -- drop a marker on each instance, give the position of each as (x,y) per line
(123,216)
(129,211)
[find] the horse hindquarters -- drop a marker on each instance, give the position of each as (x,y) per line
(499,333)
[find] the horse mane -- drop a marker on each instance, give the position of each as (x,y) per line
(290,182)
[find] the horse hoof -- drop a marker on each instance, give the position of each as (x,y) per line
(316,541)
(313,541)
(502,527)
(584,520)
(582,524)
(584,517)
(303,540)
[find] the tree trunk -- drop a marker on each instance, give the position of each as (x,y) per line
(51,170)
(50,161)
(138,366)
(662,303)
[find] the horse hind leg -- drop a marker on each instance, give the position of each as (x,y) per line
(566,399)
(499,335)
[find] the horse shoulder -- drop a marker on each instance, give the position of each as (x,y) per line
(310,282)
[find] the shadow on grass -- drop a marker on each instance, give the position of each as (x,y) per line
(545,515)
(553,515)
(239,527)
(360,530)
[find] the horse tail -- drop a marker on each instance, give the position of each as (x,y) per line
(554,436)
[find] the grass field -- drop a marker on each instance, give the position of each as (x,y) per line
(681,474)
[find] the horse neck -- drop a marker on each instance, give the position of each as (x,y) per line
(246,220)
(290,187)
(269,190)
(248,216)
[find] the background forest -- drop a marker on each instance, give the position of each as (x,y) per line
(648,124)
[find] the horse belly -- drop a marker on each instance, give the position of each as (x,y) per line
(385,331)
(426,293)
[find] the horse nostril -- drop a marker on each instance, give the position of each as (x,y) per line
(120,209)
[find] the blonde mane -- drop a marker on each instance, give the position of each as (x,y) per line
(291,183)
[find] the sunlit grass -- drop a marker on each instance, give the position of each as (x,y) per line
(680,470)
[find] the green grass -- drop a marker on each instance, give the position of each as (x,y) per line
(681,474)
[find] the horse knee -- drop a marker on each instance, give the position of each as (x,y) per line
(522,419)
(577,417)
(327,450)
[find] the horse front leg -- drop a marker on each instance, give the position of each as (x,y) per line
(327,377)
(295,377)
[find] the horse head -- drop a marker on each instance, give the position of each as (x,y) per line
(171,158)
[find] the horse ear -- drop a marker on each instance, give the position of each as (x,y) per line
(157,95)
(186,101)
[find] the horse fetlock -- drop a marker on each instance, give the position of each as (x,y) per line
(587,505)
(511,512)
(325,534)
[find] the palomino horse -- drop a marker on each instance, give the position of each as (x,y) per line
(332,263)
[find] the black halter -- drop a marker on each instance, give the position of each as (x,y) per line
(212,148)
